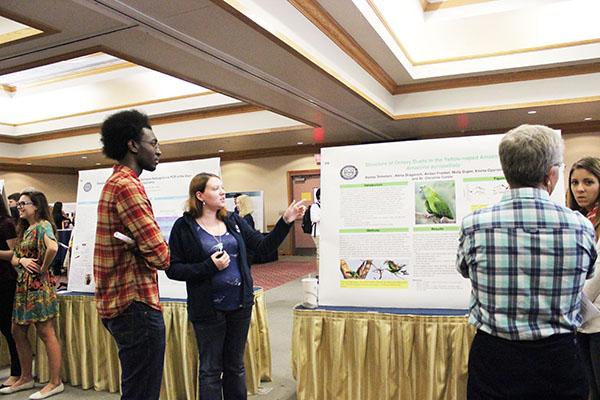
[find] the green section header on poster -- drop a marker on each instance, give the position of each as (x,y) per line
(485,179)
(374,230)
(366,185)
(452,228)
(374,284)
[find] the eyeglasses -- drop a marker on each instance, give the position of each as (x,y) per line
(22,204)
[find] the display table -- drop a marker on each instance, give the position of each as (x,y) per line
(90,357)
(350,353)
(4,354)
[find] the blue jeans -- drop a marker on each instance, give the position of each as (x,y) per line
(140,335)
(221,344)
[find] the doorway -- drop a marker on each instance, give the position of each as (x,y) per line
(302,185)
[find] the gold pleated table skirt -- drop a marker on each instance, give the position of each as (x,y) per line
(368,355)
(4,354)
(90,358)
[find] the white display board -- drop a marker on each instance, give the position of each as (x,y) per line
(258,205)
(380,244)
(167,189)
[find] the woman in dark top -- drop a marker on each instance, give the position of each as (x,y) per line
(8,283)
(60,219)
(208,251)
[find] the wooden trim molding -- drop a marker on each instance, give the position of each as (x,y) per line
(8,88)
(578,127)
(39,169)
(392,33)
(51,60)
(313,11)
(506,77)
(117,107)
(250,154)
(565,128)
(206,113)
(157,120)
(235,134)
(27,34)
(316,14)
(10,139)
(81,74)
(498,107)
(430,6)
(20,34)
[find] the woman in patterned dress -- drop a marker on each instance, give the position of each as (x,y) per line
(35,298)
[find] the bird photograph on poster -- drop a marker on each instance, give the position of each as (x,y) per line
(435,202)
(376,269)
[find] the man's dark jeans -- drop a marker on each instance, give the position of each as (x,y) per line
(589,348)
(140,335)
(548,369)
(221,344)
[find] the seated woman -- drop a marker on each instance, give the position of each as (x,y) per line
(208,251)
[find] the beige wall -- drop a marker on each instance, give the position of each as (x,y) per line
(578,145)
(56,187)
(267,174)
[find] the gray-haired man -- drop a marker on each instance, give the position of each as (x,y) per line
(527,259)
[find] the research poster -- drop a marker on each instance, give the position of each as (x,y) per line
(167,189)
(391,217)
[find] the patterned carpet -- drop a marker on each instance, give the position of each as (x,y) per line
(273,274)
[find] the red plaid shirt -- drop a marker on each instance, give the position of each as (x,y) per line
(124,275)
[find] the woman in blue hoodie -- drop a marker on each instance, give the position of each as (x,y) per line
(209,252)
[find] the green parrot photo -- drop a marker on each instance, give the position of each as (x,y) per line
(395,268)
(435,205)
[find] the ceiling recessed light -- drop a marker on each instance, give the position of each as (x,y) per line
(300,142)
(84,157)
(28,163)
(97,163)
(221,150)
(532,112)
(587,119)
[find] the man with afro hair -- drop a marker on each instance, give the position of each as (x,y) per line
(126,273)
